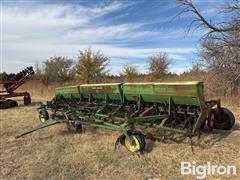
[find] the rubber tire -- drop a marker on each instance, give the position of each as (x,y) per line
(140,138)
(8,103)
(44,114)
(1,104)
(11,103)
(141,141)
(229,120)
(27,100)
(74,128)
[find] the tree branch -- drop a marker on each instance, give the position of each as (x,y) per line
(190,7)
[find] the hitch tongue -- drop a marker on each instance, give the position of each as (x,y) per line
(37,127)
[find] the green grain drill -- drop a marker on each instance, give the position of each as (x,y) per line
(135,109)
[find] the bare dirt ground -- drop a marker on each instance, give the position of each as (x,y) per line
(54,153)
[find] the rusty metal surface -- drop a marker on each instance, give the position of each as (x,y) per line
(17,80)
(14,83)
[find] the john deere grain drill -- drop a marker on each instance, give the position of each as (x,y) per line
(134,109)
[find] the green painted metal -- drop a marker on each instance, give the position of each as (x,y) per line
(104,92)
(184,93)
(39,126)
(178,93)
(68,92)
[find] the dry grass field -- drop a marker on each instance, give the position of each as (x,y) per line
(54,153)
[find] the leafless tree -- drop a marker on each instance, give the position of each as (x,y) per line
(158,65)
(221,27)
(220,46)
(92,66)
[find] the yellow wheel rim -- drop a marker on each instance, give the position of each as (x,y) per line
(41,117)
(133,145)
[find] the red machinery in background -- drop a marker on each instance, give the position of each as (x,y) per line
(11,85)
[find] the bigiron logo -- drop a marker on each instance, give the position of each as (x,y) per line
(209,169)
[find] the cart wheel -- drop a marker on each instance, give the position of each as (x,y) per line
(136,144)
(225,119)
(73,125)
(27,100)
(43,115)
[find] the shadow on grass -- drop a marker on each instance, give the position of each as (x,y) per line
(207,139)
(34,103)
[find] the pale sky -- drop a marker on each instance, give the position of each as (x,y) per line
(127,31)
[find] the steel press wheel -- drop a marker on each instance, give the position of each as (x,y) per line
(43,115)
(136,143)
(73,125)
